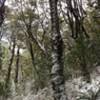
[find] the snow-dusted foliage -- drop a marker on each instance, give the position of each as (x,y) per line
(76,89)
(80,90)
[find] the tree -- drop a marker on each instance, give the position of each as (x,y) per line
(98,3)
(2,10)
(10,63)
(17,64)
(57,55)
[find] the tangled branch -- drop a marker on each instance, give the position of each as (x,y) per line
(76,15)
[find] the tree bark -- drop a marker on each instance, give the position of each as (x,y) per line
(98,3)
(57,77)
(0,55)
(10,64)
(32,58)
(17,64)
(1,52)
(2,11)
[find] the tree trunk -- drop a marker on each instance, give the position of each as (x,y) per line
(57,55)
(2,11)
(0,56)
(84,69)
(98,3)
(32,58)
(10,64)
(36,72)
(82,47)
(17,64)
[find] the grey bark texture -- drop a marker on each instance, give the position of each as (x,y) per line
(17,64)
(57,77)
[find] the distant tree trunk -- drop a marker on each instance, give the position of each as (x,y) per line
(10,64)
(57,55)
(83,60)
(98,3)
(84,69)
(1,34)
(2,11)
(34,66)
(17,64)
(0,55)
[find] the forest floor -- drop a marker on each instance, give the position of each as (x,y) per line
(76,89)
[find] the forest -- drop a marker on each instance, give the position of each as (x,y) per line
(49,49)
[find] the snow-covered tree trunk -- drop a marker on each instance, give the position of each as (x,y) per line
(57,55)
